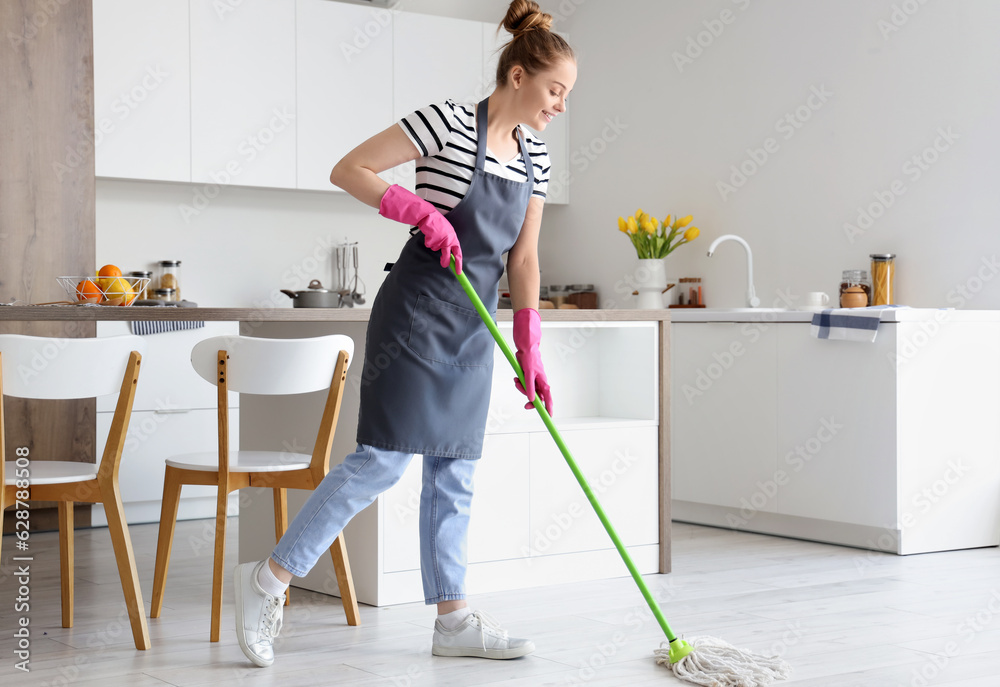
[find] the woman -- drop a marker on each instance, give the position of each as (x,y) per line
(433,395)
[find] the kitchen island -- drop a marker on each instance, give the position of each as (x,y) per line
(531,523)
(892,445)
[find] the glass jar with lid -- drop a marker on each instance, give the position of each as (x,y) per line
(170,277)
(883,274)
(855,289)
(146,291)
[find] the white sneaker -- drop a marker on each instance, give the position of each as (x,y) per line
(258,614)
(479,635)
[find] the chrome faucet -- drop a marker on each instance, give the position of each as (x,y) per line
(752,299)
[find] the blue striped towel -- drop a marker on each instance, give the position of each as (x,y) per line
(141,327)
(849,324)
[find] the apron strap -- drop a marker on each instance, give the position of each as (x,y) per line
(481,133)
(529,168)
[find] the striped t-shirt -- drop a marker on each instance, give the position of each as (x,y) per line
(445,135)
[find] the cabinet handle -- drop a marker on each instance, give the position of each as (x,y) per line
(173,411)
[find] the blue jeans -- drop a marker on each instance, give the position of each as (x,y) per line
(348,488)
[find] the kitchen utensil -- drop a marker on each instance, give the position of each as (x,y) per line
(346,262)
(316,296)
(358,298)
(706,660)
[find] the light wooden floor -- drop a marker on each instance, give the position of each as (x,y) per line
(841,616)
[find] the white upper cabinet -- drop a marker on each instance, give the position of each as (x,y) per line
(434,59)
(344,71)
(274,93)
(243,111)
(142,89)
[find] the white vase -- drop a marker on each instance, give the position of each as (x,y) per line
(650,278)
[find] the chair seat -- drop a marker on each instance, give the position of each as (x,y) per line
(242,461)
(53,472)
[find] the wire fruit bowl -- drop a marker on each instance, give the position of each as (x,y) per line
(104,290)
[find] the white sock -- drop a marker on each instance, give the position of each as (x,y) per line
(454,619)
(268,582)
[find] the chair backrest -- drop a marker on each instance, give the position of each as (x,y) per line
(272,366)
(46,367)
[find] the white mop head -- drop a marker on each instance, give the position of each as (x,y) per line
(715,663)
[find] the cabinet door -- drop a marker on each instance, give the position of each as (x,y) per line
(344,73)
(622,469)
(498,527)
(151,439)
(142,89)
(723,413)
(434,59)
(243,93)
(167,382)
(837,427)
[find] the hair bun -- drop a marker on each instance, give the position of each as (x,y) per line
(524,16)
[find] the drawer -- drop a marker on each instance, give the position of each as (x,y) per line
(166,380)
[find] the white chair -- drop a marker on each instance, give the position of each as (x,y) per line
(51,368)
(259,366)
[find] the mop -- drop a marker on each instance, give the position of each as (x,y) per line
(705,660)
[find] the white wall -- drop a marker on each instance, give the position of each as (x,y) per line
(683,129)
(686,127)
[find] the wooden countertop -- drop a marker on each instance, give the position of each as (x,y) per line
(84,313)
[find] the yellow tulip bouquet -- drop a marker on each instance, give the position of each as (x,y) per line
(655,239)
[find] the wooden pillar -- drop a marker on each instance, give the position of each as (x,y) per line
(47,197)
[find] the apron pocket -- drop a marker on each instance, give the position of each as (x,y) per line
(448,333)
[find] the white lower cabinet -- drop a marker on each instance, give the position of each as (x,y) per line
(531,523)
(836,438)
(621,467)
(723,413)
(174,411)
(152,438)
(498,527)
(891,445)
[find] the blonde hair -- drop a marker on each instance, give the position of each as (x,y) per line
(534,46)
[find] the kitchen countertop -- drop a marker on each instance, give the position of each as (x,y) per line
(78,313)
(770,315)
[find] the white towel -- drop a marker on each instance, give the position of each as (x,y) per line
(848,324)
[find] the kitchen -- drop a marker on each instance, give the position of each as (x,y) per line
(820,133)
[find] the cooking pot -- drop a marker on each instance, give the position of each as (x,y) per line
(314,297)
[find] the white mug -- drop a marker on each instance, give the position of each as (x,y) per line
(817,299)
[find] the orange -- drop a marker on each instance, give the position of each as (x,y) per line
(109,271)
(88,291)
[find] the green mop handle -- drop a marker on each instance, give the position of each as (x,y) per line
(540,407)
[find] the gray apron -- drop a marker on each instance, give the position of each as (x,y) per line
(428,368)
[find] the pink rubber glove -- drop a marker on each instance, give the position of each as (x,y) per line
(404,206)
(527,335)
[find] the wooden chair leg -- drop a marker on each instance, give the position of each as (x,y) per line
(66,560)
(165,538)
(342,568)
(220,562)
(118,528)
(281,524)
